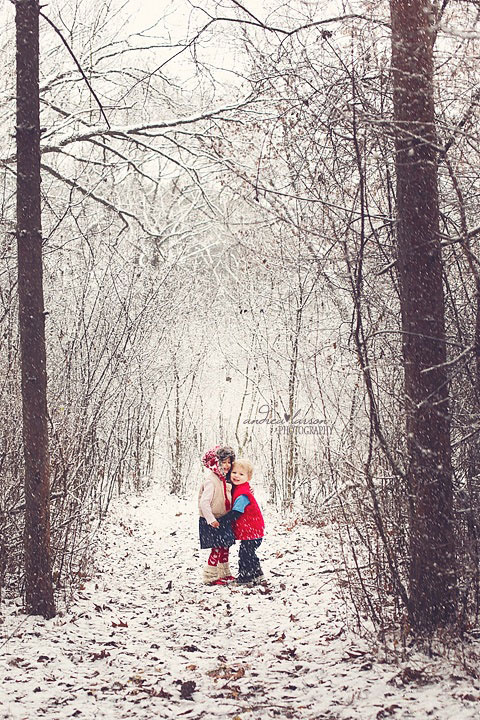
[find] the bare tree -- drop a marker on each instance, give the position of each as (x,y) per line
(429,468)
(38,576)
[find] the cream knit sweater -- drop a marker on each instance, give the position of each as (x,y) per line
(211,500)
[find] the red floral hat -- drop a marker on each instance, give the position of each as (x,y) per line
(211,462)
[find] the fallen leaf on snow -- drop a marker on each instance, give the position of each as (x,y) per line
(468,696)
(387,712)
(99,655)
(411,676)
(159,693)
(227,673)
(187,688)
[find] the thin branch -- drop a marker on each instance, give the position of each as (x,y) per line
(451,362)
(72,54)
(123,214)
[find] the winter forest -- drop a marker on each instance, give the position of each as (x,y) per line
(251,225)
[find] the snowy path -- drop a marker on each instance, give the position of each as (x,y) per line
(145,640)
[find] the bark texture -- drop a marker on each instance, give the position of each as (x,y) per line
(432,574)
(38,576)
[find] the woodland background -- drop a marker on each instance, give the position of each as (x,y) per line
(220,246)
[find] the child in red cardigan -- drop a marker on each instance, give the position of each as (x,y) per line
(248,524)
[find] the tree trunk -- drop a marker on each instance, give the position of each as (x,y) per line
(38,575)
(432,573)
(177,461)
(292,447)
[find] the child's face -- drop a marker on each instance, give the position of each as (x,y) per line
(239,474)
(226,465)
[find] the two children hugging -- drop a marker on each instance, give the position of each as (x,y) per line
(228,512)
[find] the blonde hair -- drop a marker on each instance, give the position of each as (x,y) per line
(246,464)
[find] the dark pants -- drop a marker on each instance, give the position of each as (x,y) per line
(248,562)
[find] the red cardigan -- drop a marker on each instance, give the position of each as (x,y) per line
(250,524)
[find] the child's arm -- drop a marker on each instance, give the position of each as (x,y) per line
(238,508)
(206,503)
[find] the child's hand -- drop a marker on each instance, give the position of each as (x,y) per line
(215,524)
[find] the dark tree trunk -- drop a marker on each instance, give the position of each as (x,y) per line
(38,576)
(432,575)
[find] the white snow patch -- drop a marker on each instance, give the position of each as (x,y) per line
(143,632)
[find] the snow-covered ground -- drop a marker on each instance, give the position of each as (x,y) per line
(144,639)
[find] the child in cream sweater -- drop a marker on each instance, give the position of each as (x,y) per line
(214,502)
